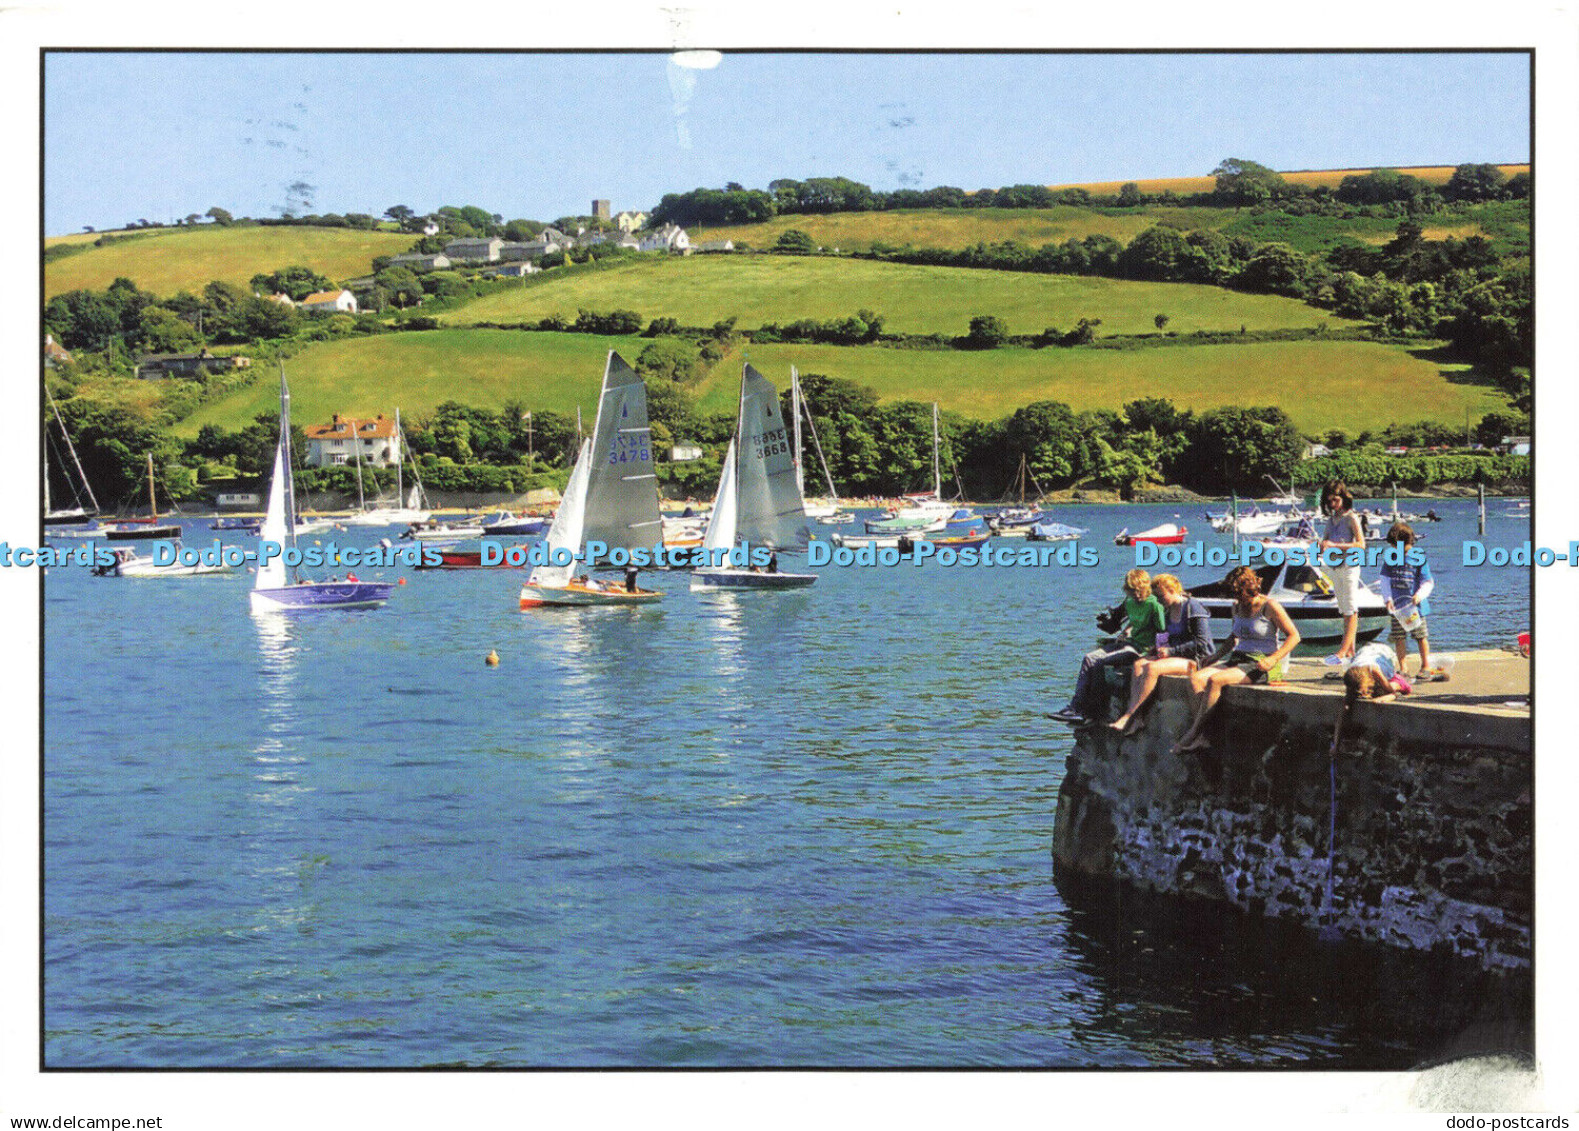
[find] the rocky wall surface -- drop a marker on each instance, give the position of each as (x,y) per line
(1434,818)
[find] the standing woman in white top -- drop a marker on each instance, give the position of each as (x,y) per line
(1343,533)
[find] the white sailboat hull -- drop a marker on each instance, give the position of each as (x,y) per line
(388,516)
(144,567)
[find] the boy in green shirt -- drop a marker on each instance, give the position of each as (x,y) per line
(1145,622)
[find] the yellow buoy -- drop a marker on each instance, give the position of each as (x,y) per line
(492,659)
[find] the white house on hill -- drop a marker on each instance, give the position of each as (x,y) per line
(335,444)
(341,301)
(667,238)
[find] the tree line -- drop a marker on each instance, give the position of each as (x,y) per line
(1237,183)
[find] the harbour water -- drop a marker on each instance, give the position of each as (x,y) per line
(800,829)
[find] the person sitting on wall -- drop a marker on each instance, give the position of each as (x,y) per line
(1187,641)
(1261,638)
(1144,622)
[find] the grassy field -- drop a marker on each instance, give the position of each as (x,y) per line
(187,259)
(1313,178)
(1361,384)
(953,229)
(701,290)
(1349,385)
(417,372)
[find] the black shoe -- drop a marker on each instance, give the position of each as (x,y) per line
(1067,715)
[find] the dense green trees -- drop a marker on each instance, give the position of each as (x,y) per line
(297,282)
(793,241)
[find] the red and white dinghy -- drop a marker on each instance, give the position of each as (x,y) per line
(1168,534)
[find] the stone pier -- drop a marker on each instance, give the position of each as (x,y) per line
(1434,816)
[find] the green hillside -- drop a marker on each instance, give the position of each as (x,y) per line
(1506,222)
(701,290)
(1354,386)
(168,260)
(417,372)
(1322,385)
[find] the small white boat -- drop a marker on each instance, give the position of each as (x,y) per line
(279,588)
(759,499)
(434,531)
(612,498)
(1305,592)
(128,563)
(904,543)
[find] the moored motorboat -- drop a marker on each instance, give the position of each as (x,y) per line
(1306,594)
(1168,534)
(435,531)
(1050,531)
(508,525)
(129,563)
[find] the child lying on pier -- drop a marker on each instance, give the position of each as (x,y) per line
(1374,676)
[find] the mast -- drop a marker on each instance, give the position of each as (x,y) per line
(937,465)
(740,427)
(153,504)
(72,449)
(400,462)
(800,473)
(356,446)
(285,460)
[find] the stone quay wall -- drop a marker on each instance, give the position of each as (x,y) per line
(1434,818)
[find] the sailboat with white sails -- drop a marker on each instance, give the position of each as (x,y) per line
(408,508)
(823,510)
(759,498)
(611,499)
(925,512)
(280,587)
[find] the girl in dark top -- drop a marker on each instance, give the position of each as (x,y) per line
(1189,641)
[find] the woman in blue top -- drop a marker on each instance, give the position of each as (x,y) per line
(1187,641)
(1251,654)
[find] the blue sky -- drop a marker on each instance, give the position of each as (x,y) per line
(141,135)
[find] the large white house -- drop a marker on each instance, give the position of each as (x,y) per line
(670,237)
(341,301)
(335,444)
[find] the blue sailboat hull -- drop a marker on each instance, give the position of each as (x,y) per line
(315,596)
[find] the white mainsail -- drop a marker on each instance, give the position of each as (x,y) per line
(279,521)
(771,510)
(622,487)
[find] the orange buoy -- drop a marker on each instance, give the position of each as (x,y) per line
(491,659)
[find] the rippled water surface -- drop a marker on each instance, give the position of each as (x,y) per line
(806,828)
